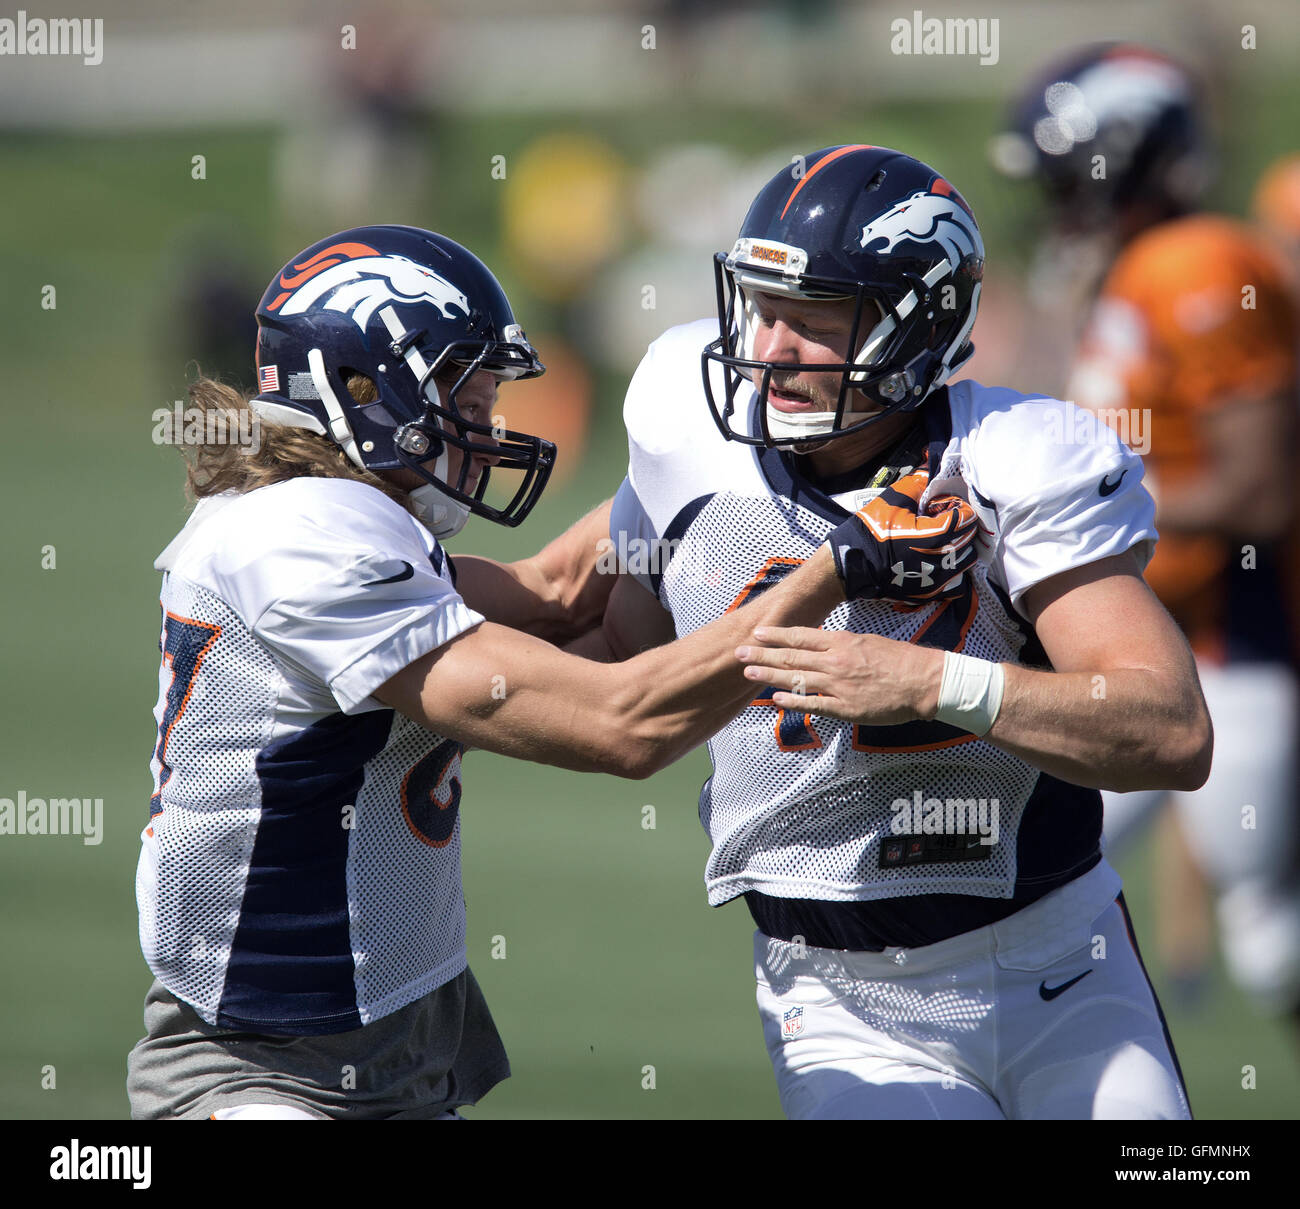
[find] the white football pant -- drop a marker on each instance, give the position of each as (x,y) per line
(1045,1015)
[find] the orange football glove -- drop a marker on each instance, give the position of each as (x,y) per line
(891,550)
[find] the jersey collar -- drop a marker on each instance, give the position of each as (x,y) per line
(780,468)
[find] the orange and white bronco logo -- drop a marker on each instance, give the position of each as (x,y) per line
(356,280)
(926,217)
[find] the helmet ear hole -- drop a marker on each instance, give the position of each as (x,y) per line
(362,388)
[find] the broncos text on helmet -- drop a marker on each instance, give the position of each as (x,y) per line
(401,306)
(850,222)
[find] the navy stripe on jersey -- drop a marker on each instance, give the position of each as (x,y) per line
(291,966)
(1060,833)
(783,477)
(936,415)
(676,530)
(442,563)
(1032,653)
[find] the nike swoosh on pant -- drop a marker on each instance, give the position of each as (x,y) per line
(1049,993)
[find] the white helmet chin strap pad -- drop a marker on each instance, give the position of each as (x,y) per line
(810,424)
(443,516)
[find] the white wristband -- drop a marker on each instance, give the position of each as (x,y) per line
(970,693)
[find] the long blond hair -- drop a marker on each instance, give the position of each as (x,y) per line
(279,453)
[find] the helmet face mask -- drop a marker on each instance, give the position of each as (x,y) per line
(876,342)
(443,426)
(406,309)
(870,226)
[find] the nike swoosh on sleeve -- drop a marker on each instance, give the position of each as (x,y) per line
(392,579)
(1107,486)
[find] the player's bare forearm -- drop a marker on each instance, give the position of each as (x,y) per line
(693,687)
(1122,710)
(505,691)
(557,594)
(1120,729)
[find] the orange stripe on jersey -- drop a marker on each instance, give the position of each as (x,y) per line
(819,165)
(758,578)
(966,625)
(814,739)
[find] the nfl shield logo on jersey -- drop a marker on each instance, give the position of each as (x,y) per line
(792,1023)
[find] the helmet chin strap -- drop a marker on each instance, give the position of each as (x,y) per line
(785,424)
(339,428)
(443,516)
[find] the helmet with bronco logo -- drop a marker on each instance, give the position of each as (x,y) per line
(862,223)
(402,307)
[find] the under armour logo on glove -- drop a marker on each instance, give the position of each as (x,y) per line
(902,575)
(890,549)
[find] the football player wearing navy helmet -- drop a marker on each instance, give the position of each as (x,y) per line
(1112,133)
(909,808)
(323,671)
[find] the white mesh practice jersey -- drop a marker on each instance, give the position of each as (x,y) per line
(805,807)
(301,868)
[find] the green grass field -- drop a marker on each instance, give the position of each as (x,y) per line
(613,961)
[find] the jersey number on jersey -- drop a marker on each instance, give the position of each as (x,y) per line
(431,795)
(793,731)
(185,644)
(946,629)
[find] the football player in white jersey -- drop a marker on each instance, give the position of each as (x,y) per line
(910,807)
(299,882)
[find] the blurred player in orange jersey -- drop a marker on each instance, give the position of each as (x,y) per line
(1276,207)
(1189,352)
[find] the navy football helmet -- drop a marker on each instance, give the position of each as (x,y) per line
(401,306)
(863,223)
(1110,125)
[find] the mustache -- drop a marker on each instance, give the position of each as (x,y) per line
(790,384)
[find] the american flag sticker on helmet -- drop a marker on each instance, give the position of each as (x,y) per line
(268,378)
